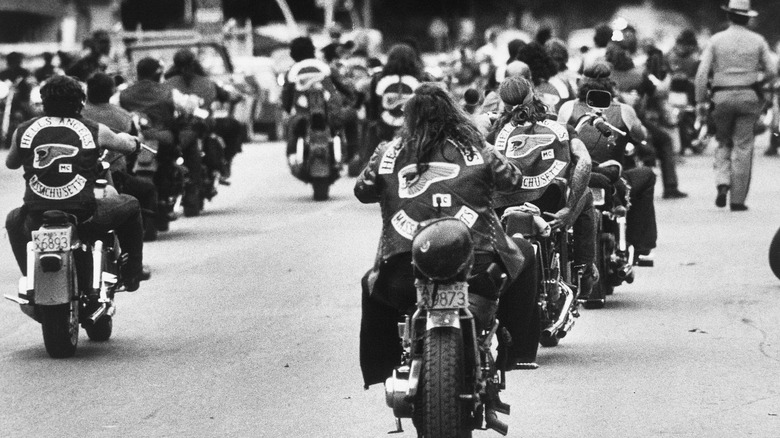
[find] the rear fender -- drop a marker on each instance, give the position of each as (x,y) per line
(319,155)
(443,318)
(58,287)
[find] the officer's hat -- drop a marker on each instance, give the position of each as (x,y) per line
(740,7)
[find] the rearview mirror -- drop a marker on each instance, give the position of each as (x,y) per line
(598,99)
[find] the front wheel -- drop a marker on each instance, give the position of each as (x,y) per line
(321,188)
(60,325)
(774,254)
(444,414)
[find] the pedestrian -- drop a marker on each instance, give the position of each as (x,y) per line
(735,63)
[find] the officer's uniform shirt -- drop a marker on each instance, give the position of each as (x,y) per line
(736,57)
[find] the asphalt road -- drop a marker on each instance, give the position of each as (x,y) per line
(249,328)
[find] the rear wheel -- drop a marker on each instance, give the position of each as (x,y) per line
(601,288)
(60,325)
(321,188)
(444,414)
(101,330)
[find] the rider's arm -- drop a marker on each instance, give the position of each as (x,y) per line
(14,159)
(703,75)
(367,189)
(564,114)
(636,130)
(506,175)
(288,94)
(581,174)
(121,142)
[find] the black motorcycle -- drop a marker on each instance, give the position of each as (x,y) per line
(447,381)
(615,258)
(559,278)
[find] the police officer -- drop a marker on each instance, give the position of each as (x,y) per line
(735,63)
(60,153)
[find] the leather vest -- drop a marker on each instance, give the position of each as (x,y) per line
(541,150)
(309,77)
(391,92)
(60,159)
(455,184)
(596,143)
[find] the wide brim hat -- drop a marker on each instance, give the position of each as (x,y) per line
(740,7)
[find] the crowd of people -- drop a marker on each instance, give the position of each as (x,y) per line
(399,118)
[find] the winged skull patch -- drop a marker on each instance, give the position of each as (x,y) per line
(411,185)
(46,154)
(519,146)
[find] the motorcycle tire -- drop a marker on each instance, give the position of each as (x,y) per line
(444,414)
(60,326)
(774,254)
(321,188)
(601,288)
(101,330)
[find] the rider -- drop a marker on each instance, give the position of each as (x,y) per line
(341,114)
(100,88)
(641,228)
(188,77)
(546,152)
(60,154)
(388,92)
(683,61)
(436,130)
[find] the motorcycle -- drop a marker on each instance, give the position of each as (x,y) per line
(448,381)
(615,258)
(164,170)
(682,113)
(559,278)
(318,152)
(211,149)
(72,276)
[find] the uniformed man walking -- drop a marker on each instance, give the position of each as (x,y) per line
(735,63)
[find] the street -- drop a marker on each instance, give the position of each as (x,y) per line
(249,327)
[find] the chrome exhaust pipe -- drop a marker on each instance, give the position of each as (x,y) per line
(16,300)
(556,326)
(492,422)
(98,313)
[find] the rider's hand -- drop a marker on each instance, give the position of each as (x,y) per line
(562,219)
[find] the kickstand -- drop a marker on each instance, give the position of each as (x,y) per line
(398,428)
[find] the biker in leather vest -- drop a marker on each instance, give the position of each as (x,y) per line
(450,172)
(60,154)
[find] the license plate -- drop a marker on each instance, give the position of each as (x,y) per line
(678,99)
(447,296)
(51,239)
(598,195)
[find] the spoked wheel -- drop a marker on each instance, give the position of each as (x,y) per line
(101,330)
(60,325)
(774,254)
(444,414)
(321,188)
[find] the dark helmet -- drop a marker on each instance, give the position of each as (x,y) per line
(442,249)
(62,96)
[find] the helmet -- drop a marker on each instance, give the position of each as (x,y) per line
(442,249)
